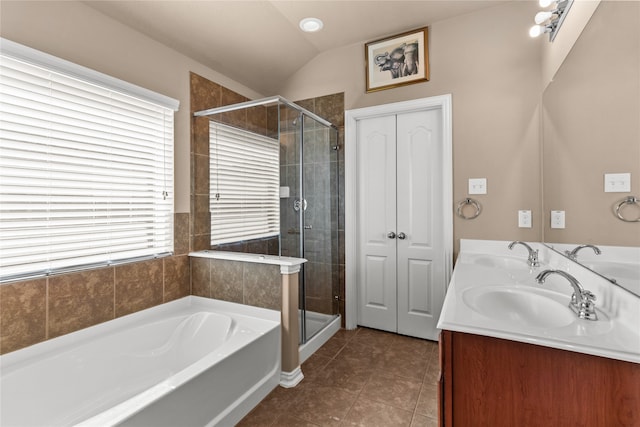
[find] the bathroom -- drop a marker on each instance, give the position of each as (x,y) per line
(498,78)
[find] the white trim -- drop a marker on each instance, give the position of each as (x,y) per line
(443,102)
(291,379)
(41,59)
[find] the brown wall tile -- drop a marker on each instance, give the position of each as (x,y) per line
(205,94)
(226,280)
(200,277)
(80,300)
(235,118)
(201,171)
(257,120)
(201,242)
(177,283)
(200,135)
(181,233)
(262,286)
(22,314)
(138,286)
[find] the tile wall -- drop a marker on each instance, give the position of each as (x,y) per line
(206,94)
(259,285)
(32,311)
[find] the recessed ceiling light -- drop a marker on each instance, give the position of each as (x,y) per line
(311,25)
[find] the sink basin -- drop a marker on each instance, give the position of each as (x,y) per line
(526,307)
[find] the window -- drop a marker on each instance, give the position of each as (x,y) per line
(86,167)
(245,183)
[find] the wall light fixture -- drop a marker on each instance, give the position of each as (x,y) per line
(549,21)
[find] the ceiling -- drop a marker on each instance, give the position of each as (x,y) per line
(259,43)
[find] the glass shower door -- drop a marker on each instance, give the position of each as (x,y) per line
(308,214)
(319,226)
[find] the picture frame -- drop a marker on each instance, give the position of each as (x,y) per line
(397,60)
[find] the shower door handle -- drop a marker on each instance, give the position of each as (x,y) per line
(308,227)
(391,235)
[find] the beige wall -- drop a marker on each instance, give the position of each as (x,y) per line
(492,67)
(74,31)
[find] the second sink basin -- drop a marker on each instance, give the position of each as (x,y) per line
(525,306)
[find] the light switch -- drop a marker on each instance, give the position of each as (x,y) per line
(477,185)
(524,219)
(617,182)
(557,219)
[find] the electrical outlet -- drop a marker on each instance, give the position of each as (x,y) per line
(557,219)
(524,219)
(477,185)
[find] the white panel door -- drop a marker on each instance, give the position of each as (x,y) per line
(421,282)
(376,204)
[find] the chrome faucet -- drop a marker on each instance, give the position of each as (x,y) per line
(581,300)
(574,253)
(533,253)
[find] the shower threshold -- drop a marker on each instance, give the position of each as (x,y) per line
(321,328)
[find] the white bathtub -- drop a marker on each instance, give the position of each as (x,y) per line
(190,362)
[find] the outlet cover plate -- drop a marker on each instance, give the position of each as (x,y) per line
(557,219)
(477,185)
(524,219)
(617,182)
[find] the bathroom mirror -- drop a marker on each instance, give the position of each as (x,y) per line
(591,127)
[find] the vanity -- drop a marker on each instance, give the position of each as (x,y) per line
(513,352)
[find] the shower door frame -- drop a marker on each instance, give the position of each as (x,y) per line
(302,219)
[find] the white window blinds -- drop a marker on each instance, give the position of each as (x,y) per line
(86,172)
(245,183)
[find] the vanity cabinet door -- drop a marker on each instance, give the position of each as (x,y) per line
(501,383)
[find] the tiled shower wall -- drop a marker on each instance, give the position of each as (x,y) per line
(320,166)
(35,310)
(206,94)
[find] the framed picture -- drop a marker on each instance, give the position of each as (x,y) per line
(397,60)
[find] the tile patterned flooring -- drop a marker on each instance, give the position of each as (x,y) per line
(363,378)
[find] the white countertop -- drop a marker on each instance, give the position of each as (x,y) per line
(288,265)
(501,276)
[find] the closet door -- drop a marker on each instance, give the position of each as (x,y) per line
(420,244)
(376,204)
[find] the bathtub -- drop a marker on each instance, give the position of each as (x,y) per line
(190,362)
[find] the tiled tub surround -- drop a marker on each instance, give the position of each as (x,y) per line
(35,310)
(260,280)
(193,361)
(483,263)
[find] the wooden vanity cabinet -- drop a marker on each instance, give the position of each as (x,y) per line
(494,382)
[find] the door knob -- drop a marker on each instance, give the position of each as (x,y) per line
(402,236)
(391,235)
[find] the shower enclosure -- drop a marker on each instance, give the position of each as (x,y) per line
(305,217)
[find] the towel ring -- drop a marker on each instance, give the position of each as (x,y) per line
(631,200)
(465,202)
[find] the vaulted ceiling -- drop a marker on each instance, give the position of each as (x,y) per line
(259,43)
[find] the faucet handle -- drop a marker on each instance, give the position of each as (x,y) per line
(588,295)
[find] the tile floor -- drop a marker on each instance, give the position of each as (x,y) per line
(359,378)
